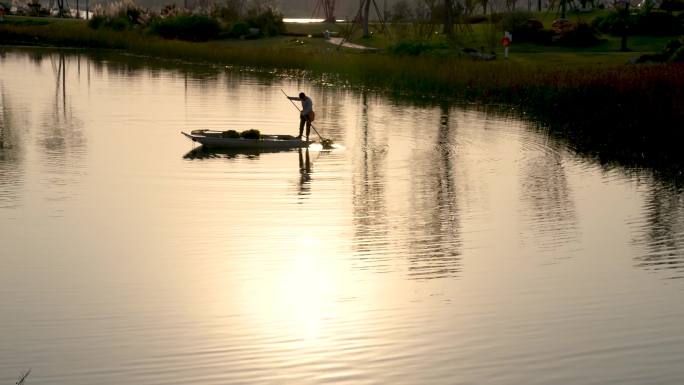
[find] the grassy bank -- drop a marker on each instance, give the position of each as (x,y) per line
(614,102)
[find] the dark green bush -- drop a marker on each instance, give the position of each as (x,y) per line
(582,35)
(673,52)
(544,36)
(229,10)
(133,14)
(186,27)
(117,23)
(677,56)
(251,134)
(614,23)
(514,20)
(496,17)
(96,21)
(651,23)
(415,48)
(657,23)
(672,5)
(530,31)
(523,27)
(269,21)
(475,19)
(240,28)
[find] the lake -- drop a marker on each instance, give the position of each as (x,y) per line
(437,243)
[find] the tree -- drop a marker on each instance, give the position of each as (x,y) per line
(484,5)
(366,16)
(60,7)
(401,11)
(511,4)
(448,28)
(625,25)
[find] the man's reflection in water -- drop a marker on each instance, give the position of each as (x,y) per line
(304,172)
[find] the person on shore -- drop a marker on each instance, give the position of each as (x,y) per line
(306,115)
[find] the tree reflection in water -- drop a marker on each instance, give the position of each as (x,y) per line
(662,232)
(435,227)
(11,154)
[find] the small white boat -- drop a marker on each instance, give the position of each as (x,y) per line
(216,139)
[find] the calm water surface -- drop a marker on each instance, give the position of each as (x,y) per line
(434,245)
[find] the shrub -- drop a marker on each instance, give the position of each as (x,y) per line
(415,48)
(678,55)
(522,26)
(544,36)
(118,15)
(514,20)
(673,52)
(581,35)
(231,10)
(475,19)
(251,134)
(96,21)
(269,22)
(117,23)
(657,23)
(186,27)
(496,17)
(672,5)
(613,23)
(240,28)
(401,12)
(649,23)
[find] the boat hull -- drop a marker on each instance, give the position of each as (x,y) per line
(266,142)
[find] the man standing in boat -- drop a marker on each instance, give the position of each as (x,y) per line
(306,115)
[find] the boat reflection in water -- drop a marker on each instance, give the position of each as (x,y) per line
(304,160)
(202,152)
